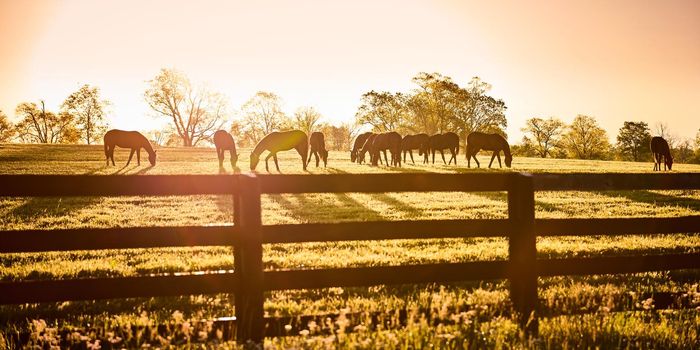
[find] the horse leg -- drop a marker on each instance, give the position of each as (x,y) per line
(492,158)
(433,156)
(317,158)
(454,156)
(476,160)
(404,155)
(386,160)
(266,159)
(130,155)
(138,156)
(469,160)
(411,153)
(274,157)
(220,155)
(442,153)
(498,155)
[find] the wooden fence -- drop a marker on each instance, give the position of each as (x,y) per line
(249,281)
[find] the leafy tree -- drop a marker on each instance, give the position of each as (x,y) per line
(683,152)
(585,139)
(89,111)
(382,110)
(478,111)
(7,130)
(195,113)
(633,140)
(543,135)
(339,138)
(262,114)
(41,126)
(305,119)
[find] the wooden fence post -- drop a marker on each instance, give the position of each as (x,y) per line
(522,250)
(248,264)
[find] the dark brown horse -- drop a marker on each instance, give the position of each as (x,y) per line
(419,142)
(366,147)
(390,141)
(318,147)
(477,141)
(224,142)
(661,152)
(128,139)
(447,141)
(280,141)
(357,146)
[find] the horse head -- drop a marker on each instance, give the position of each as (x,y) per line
(353,156)
(669,161)
(324,156)
(234,159)
(152,158)
(254,159)
(509,160)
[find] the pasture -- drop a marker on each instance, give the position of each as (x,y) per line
(473,313)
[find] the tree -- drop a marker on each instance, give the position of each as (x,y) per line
(477,111)
(89,111)
(542,135)
(41,126)
(7,130)
(585,139)
(633,140)
(382,110)
(339,138)
(305,119)
(262,114)
(662,129)
(196,113)
(683,152)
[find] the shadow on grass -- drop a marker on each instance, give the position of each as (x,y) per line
(654,198)
(50,207)
(322,211)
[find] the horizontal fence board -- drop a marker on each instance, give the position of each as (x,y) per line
(378,230)
(121,287)
(26,241)
(116,185)
(616,182)
(372,183)
(618,264)
(368,276)
(616,226)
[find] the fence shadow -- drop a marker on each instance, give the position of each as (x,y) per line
(654,198)
(322,211)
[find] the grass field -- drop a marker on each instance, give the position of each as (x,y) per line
(637,324)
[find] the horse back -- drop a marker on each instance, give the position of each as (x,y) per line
(224,140)
(659,145)
(487,142)
(317,141)
(125,139)
(283,140)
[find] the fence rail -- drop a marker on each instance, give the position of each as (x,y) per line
(249,281)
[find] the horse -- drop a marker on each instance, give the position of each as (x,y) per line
(366,147)
(419,142)
(224,142)
(661,152)
(440,142)
(318,147)
(280,141)
(357,146)
(477,141)
(387,141)
(128,139)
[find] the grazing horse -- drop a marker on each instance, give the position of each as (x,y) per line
(318,147)
(280,141)
(387,141)
(661,152)
(224,142)
(366,147)
(477,141)
(357,146)
(419,142)
(128,139)
(440,142)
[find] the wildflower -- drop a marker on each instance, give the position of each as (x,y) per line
(304,332)
(288,327)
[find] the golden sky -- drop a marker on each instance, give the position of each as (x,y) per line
(614,60)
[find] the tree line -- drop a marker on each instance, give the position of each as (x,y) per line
(436,104)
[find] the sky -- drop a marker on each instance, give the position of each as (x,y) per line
(614,60)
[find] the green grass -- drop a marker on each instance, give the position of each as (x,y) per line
(564,293)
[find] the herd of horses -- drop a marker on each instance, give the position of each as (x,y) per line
(374,145)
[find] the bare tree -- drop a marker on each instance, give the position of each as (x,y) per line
(662,129)
(7,130)
(89,111)
(542,135)
(41,126)
(196,113)
(262,114)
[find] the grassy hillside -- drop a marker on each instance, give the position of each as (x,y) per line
(562,293)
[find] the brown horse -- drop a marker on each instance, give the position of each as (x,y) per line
(661,152)
(224,142)
(387,141)
(357,146)
(280,141)
(366,147)
(447,141)
(477,141)
(419,142)
(318,147)
(128,139)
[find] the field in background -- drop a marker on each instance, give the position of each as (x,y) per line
(600,293)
